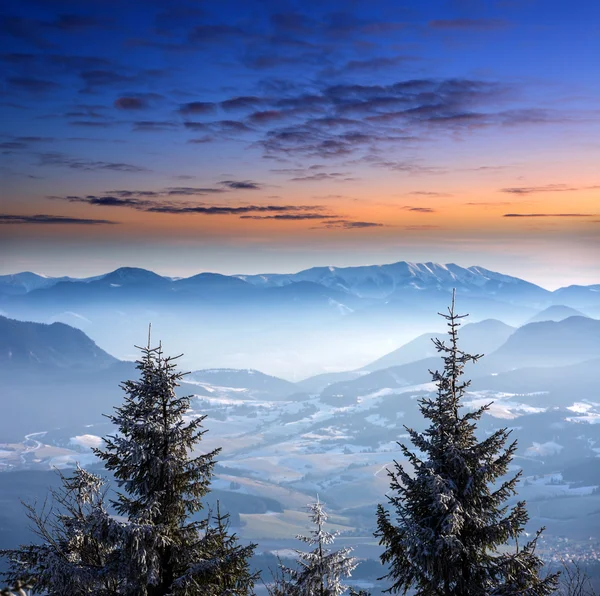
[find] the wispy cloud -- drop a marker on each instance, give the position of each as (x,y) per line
(419,209)
(548,215)
(469,24)
(50,219)
(150,202)
(80,163)
(346,224)
(527,190)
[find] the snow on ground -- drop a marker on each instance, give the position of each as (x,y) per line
(86,441)
(503,404)
(543,449)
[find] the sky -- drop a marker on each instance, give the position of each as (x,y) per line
(273,135)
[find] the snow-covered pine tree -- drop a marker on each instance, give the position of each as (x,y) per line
(450,515)
(76,555)
(151,457)
(320,571)
(226,563)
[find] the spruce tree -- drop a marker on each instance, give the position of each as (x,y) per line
(151,458)
(320,571)
(450,513)
(77,553)
(154,547)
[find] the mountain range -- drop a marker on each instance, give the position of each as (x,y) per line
(369,281)
(316,321)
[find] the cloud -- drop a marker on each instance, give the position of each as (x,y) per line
(50,219)
(419,209)
(219,126)
(526,190)
(548,215)
(61,160)
(152,125)
(267,116)
(291,216)
(130,103)
(323,176)
(219,210)
(149,204)
(197,107)
(469,24)
(246,102)
(241,184)
(427,193)
(32,85)
(351,225)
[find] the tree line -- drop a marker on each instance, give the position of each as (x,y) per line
(445,531)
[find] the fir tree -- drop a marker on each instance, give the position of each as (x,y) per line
(151,458)
(226,563)
(154,547)
(450,514)
(320,571)
(75,556)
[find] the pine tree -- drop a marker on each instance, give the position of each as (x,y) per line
(319,571)
(151,458)
(75,556)
(226,564)
(450,514)
(154,547)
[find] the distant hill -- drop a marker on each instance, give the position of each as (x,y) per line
(482,337)
(21,283)
(557,312)
(252,380)
(578,296)
(549,343)
(40,346)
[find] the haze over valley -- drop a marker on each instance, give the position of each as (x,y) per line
(266,357)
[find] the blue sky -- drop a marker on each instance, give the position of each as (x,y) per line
(271,136)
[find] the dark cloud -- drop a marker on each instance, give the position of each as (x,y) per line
(291,216)
(205,34)
(153,125)
(343,119)
(526,190)
(61,160)
(93,123)
(50,219)
(469,24)
(130,103)
(197,107)
(17,143)
(368,65)
(149,204)
(323,176)
(96,79)
(75,22)
(419,209)
(32,85)
(268,116)
(213,210)
(403,166)
(190,191)
(346,224)
(241,184)
(548,215)
(246,102)
(427,193)
(27,30)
